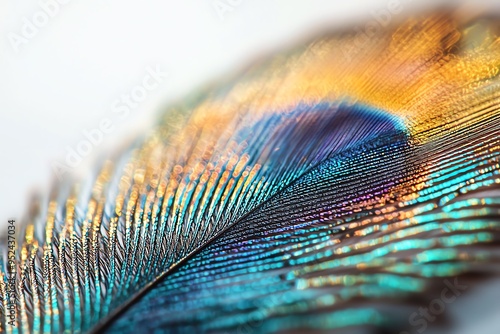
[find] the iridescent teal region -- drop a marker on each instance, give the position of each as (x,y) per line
(107,248)
(342,245)
(284,146)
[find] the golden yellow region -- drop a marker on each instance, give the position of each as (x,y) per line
(429,71)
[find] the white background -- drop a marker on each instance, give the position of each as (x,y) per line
(65,79)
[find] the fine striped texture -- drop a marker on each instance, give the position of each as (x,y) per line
(319,190)
(344,246)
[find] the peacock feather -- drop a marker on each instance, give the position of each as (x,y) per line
(338,185)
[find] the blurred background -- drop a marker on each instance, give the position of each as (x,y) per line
(78,77)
